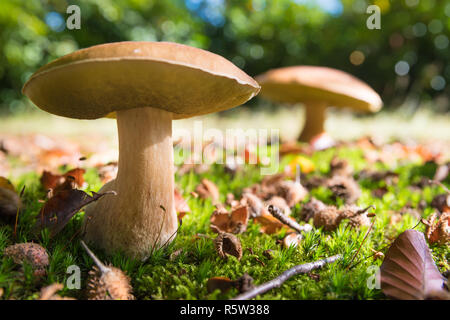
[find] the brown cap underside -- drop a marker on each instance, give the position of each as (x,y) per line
(308,83)
(92,82)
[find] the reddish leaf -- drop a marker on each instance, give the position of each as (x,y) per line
(408,270)
(181,205)
(207,189)
(236,222)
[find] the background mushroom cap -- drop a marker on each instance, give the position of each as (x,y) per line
(92,82)
(309,83)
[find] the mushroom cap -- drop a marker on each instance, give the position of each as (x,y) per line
(309,83)
(93,82)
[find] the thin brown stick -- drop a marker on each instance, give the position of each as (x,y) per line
(276,212)
(360,246)
(17,213)
(440,184)
(278,281)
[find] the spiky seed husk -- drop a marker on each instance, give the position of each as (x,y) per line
(113,284)
(329,218)
(345,188)
(311,208)
(29,252)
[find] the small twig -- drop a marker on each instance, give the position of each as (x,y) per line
(99,264)
(17,213)
(440,184)
(276,212)
(360,246)
(278,281)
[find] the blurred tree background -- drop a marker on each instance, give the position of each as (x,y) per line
(408,59)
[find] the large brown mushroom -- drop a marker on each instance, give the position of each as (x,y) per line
(147,84)
(317,88)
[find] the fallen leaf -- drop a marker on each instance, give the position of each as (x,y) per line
(29,252)
(254,204)
(306,165)
(49,292)
(408,271)
(269,224)
(9,203)
(5,183)
(438,231)
(58,210)
(181,206)
(223,284)
(207,189)
(52,181)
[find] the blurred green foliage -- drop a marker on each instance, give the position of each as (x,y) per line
(408,57)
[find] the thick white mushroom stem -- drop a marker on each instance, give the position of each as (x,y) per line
(315,113)
(142,215)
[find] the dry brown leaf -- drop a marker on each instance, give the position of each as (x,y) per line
(207,189)
(181,206)
(50,292)
(269,224)
(224,284)
(408,271)
(5,183)
(438,231)
(52,181)
(10,203)
(29,252)
(60,208)
(254,204)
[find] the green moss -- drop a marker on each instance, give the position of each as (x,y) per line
(185,276)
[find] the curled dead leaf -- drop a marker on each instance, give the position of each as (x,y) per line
(10,203)
(408,271)
(438,231)
(60,208)
(50,292)
(228,244)
(236,222)
(207,189)
(269,224)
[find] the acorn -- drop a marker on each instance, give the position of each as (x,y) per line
(107,282)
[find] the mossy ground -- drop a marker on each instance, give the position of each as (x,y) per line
(185,276)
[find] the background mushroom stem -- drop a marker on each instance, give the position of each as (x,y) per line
(142,216)
(315,113)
